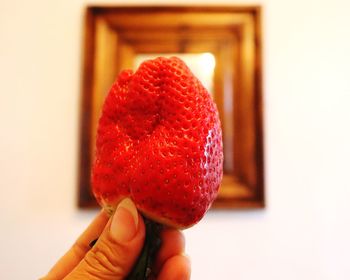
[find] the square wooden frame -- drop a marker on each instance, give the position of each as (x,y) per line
(113,35)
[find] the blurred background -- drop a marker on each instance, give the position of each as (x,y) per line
(304,231)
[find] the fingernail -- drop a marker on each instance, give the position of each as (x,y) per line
(125,221)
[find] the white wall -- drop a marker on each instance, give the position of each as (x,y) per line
(305,231)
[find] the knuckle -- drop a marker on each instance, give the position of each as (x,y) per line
(104,260)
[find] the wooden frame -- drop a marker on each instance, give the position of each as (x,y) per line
(114,35)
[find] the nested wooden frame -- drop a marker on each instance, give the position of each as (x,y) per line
(114,35)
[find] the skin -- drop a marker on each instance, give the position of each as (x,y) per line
(117,249)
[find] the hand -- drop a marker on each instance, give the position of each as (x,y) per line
(120,240)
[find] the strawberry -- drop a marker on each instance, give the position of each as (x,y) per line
(159,142)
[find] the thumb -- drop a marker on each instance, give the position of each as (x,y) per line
(117,249)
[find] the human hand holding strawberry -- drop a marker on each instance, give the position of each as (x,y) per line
(120,241)
(159,153)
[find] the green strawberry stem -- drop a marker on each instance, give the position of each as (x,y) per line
(142,269)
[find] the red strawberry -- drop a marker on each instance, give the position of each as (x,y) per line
(159,142)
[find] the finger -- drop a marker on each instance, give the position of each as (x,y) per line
(115,252)
(77,252)
(173,243)
(176,268)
